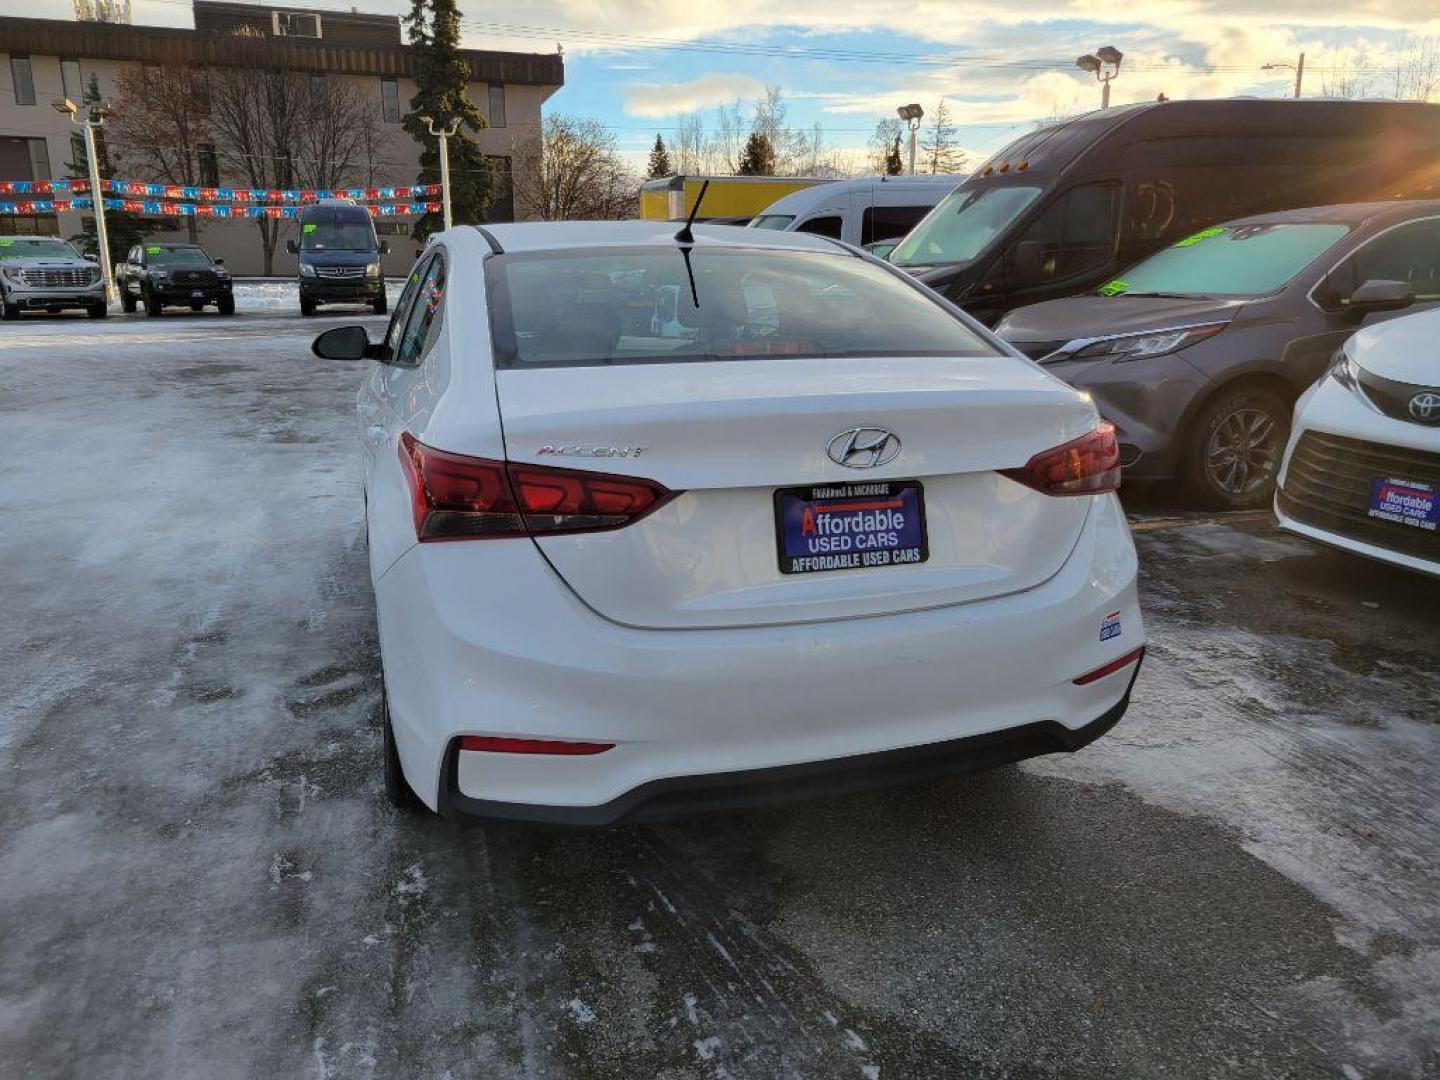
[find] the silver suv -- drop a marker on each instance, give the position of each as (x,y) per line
(44,273)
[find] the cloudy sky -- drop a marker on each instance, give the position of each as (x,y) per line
(638,65)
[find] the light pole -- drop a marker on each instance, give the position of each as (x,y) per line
(1298,68)
(444,134)
(1104,65)
(94,117)
(911,114)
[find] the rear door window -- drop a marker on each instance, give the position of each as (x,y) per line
(889,222)
(649,305)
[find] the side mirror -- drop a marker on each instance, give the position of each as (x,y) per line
(1027,262)
(219,262)
(345,343)
(384,247)
(292,247)
(1378,295)
(91,258)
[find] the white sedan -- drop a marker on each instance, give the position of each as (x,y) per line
(660,523)
(1362,471)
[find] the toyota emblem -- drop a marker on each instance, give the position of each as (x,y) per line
(868,447)
(1424,407)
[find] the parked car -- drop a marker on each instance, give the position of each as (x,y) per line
(339,257)
(866,211)
(44,273)
(176,275)
(792,540)
(1362,471)
(1065,208)
(1198,353)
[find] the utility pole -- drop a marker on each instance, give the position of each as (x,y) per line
(444,135)
(1298,67)
(912,115)
(94,117)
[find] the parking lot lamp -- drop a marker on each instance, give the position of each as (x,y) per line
(911,114)
(1298,68)
(443,134)
(1104,65)
(92,118)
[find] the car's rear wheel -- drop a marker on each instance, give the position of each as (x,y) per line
(1236,444)
(227,305)
(307,307)
(127,301)
(153,307)
(397,789)
(98,311)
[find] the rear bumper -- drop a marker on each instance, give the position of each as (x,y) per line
(679,796)
(485,639)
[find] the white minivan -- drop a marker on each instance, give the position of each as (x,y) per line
(869,210)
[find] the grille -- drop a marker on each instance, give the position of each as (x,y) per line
(1329,481)
(44,279)
(1390,397)
(193,277)
(345,273)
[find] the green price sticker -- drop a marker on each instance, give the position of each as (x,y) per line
(152,251)
(7,243)
(308,229)
(1203,234)
(1114,288)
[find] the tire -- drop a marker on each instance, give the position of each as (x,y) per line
(98,311)
(153,307)
(127,302)
(197,307)
(226,305)
(398,791)
(380,306)
(9,312)
(1235,447)
(307,307)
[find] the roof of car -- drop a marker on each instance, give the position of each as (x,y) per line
(1346,213)
(558,235)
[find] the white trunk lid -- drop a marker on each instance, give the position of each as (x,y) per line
(729,434)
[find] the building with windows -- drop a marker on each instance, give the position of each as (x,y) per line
(45,59)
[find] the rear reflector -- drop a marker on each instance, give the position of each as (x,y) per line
(493,744)
(1110,668)
(1088,465)
(454,497)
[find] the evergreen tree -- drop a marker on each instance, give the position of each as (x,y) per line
(659,160)
(894,163)
(942,149)
(759,156)
(442,76)
(123,230)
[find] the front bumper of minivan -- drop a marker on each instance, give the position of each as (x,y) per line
(485,639)
(342,292)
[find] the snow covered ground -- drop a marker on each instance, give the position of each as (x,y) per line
(199,874)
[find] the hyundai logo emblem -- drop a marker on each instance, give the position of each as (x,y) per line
(1424,408)
(868,447)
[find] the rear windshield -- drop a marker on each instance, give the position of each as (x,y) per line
(636,305)
(178,256)
(24,247)
(1229,260)
(337,236)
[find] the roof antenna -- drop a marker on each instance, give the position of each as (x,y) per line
(685,236)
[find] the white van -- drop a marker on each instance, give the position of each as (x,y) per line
(868,210)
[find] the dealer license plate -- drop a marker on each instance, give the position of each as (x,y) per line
(1405,502)
(850,526)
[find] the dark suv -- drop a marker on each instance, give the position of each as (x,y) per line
(1198,353)
(175,274)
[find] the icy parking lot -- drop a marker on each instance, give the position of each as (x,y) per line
(199,875)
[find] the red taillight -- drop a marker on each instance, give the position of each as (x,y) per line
(1084,466)
(454,497)
(494,744)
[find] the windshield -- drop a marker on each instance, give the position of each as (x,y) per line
(636,305)
(25,247)
(962,224)
(1229,260)
(337,236)
(778,222)
(177,256)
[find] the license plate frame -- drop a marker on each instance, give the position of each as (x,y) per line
(855,497)
(1407,504)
